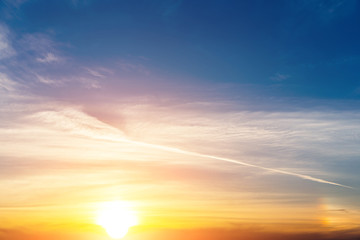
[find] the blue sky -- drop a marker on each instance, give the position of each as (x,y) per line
(303,49)
(247,108)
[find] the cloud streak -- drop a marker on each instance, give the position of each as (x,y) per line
(79,123)
(6,50)
(48,58)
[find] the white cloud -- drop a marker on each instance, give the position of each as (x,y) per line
(280,77)
(49,58)
(41,47)
(78,122)
(305,131)
(68,81)
(6,49)
(89,83)
(6,84)
(48,81)
(99,72)
(95,73)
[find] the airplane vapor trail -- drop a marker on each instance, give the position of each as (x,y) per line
(85,125)
(195,154)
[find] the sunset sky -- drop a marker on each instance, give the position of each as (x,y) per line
(196,120)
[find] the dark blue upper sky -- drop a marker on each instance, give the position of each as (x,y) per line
(283,48)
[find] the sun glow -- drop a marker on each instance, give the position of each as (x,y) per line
(116,218)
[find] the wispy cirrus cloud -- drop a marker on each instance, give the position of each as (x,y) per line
(280,77)
(7,84)
(80,123)
(41,47)
(48,58)
(6,49)
(99,72)
(33,51)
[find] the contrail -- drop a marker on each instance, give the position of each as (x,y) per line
(190,153)
(85,125)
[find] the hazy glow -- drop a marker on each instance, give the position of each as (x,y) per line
(116,218)
(154,120)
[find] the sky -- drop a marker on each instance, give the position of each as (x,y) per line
(209,119)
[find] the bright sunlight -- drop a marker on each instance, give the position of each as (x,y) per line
(116,218)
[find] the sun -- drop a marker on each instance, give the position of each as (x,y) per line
(116,218)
